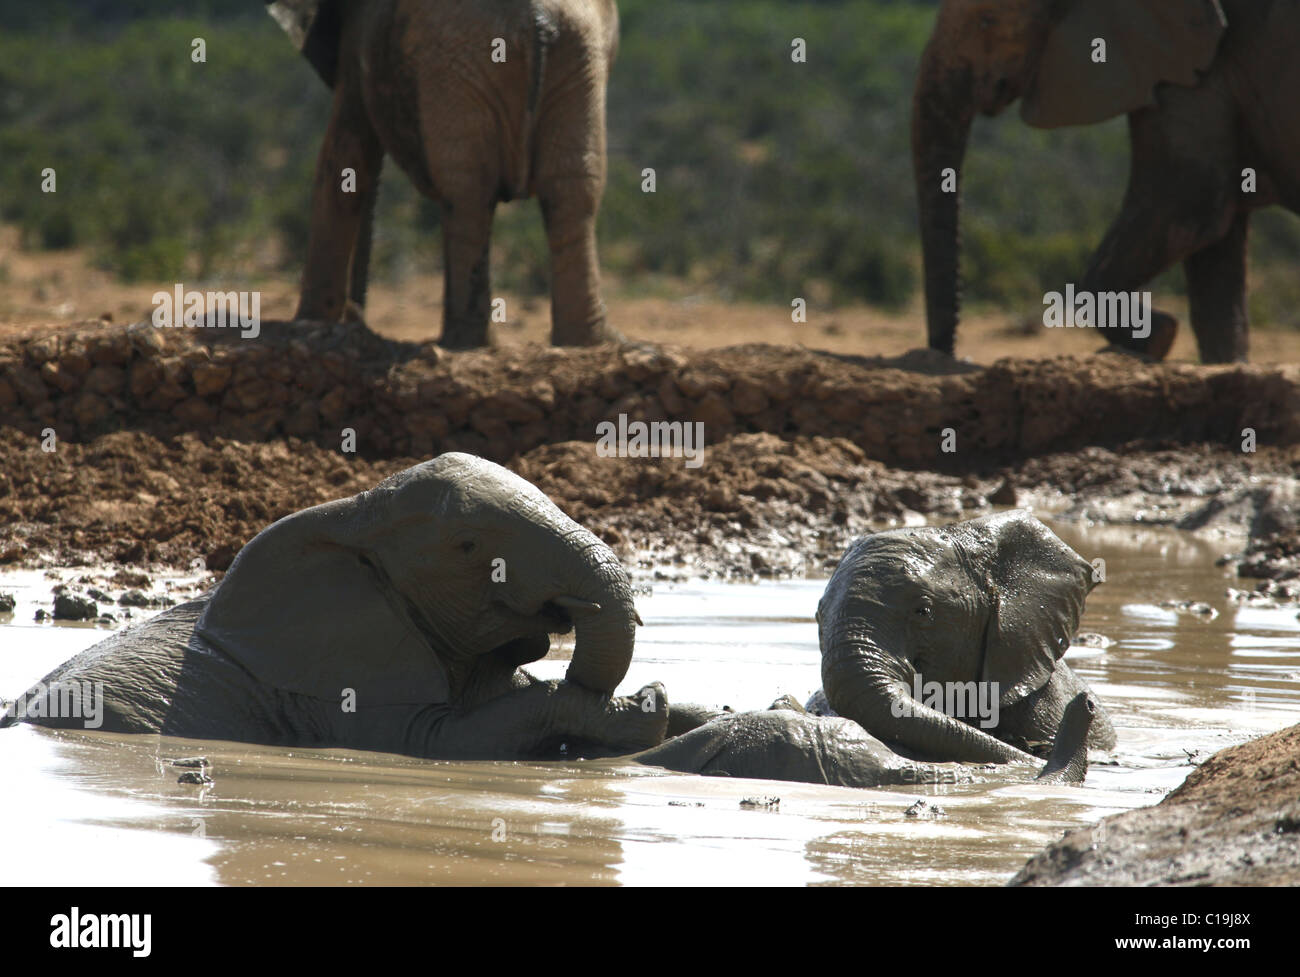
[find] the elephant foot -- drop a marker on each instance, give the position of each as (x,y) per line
(1156,345)
(353,314)
(462,339)
(638,721)
(591,334)
(787,702)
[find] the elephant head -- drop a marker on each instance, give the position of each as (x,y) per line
(395,592)
(991,604)
(1073,62)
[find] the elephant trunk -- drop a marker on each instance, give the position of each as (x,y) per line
(872,687)
(604,638)
(943,108)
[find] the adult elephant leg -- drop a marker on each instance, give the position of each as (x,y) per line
(532,720)
(338,207)
(570,184)
(569,208)
(467,295)
(359,273)
(1216,291)
(1175,205)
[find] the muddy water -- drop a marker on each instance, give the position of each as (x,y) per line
(87,808)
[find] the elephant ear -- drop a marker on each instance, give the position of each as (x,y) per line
(1147,42)
(305,609)
(315,28)
(1038,587)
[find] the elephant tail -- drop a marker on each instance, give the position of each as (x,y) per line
(1068,763)
(315,28)
(543,33)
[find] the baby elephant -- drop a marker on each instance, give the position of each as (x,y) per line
(394,621)
(946,642)
(785,743)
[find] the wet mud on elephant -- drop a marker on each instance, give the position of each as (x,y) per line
(394,620)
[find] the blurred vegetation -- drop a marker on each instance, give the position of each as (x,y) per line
(774,179)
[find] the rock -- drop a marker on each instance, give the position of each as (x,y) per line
(195,777)
(211,378)
(713,411)
(60,379)
(27,382)
(130,578)
(223,555)
(925,811)
(7,603)
(304,419)
(89,410)
(74,361)
(137,598)
(111,349)
(195,412)
(40,615)
(334,405)
(1196,607)
(42,350)
(145,377)
(1005,494)
(747,397)
(106,380)
(761,804)
(72,607)
(1091,639)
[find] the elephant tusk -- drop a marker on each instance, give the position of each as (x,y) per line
(576,605)
(638,617)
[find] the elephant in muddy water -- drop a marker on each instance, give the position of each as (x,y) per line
(477,103)
(1209,88)
(946,642)
(393,620)
(786,743)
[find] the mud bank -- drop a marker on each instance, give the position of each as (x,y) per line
(168,449)
(920,411)
(1234,821)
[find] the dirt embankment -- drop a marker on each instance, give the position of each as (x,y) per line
(919,411)
(1234,821)
(176,444)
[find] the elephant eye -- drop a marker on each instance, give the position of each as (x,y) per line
(986,21)
(924,608)
(468,546)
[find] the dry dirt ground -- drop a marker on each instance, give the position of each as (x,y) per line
(64,287)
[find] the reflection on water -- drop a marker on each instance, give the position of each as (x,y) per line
(97,808)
